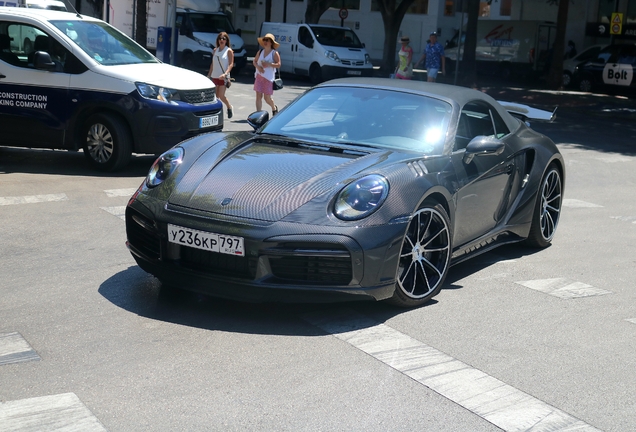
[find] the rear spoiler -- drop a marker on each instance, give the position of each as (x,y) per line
(525,113)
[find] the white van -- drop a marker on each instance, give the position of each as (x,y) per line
(321,52)
(85,85)
(36,4)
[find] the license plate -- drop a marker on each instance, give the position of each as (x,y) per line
(354,72)
(208,121)
(206,240)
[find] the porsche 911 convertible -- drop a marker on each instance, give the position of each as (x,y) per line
(361,188)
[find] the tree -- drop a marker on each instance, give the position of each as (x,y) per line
(468,76)
(315,9)
(555,71)
(393,12)
(141,26)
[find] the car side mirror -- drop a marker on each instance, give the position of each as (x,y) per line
(238,32)
(42,60)
(483,146)
(258,119)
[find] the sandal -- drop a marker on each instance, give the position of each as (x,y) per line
(275,110)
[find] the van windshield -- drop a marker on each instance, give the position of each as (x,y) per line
(210,23)
(104,43)
(337,37)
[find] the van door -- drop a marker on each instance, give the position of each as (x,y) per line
(304,56)
(33,102)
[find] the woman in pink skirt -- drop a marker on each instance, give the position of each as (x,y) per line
(266,61)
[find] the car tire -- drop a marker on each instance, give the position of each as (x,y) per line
(567,79)
(107,142)
(547,209)
(315,74)
(424,257)
(586,84)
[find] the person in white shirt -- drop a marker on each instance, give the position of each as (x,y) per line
(266,61)
(222,63)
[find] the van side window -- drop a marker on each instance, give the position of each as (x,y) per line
(304,37)
(19,45)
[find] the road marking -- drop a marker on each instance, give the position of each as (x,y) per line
(62,412)
(563,288)
(631,320)
(493,400)
(614,159)
(631,219)
(31,199)
(15,349)
(573,203)
(119,211)
(111,193)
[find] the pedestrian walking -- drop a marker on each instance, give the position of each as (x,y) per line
(405,58)
(434,58)
(266,61)
(219,73)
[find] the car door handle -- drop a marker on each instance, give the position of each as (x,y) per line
(510,169)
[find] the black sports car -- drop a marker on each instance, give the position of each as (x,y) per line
(360,188)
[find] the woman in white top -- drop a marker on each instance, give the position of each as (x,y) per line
(266,62)
(222,63)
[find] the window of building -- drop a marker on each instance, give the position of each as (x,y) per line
(631,12)
(246,4)
(418,7)
(605,9)
(484,9)
(347,4)
(449,8)
(505,7)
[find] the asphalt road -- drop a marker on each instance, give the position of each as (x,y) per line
(518,339)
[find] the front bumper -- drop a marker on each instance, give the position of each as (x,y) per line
(162,126)
(283,261)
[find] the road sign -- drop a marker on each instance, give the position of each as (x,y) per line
(617,23)
(343,13)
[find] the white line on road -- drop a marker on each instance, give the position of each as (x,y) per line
(119,211)
(60,413)
(111,193)
(574,203)
(563,288)
(15,349)
(495,401)
(31,199)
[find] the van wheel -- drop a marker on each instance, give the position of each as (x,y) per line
(108,143)
(315,74)
(567,78)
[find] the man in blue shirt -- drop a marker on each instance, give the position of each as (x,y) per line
(435,59)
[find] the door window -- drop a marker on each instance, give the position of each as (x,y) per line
(478,118)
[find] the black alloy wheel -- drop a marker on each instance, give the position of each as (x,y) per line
(547,209)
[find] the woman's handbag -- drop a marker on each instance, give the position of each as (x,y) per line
(277,84)
(227,79)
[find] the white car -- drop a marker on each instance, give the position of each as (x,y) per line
(569,65)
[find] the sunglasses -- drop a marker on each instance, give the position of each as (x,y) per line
(223,38)
(267,40)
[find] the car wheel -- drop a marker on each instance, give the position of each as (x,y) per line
(567,79)
(315,74)
(424,257)
(547,209)
(586,84)
(108,144)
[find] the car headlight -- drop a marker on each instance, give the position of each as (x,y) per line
(367,59)
(164,166)
(361,198)
(204,43)
(332,55)
(155,92)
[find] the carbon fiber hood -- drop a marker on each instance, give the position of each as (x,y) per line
(258,180)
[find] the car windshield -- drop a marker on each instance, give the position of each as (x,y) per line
(339,37)
(104,43)
(210,23)
(379,118)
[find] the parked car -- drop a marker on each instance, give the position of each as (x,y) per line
(82,84)
(569,65)
(366,188)
(612,68)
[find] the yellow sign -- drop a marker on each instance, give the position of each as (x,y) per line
(616,26)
